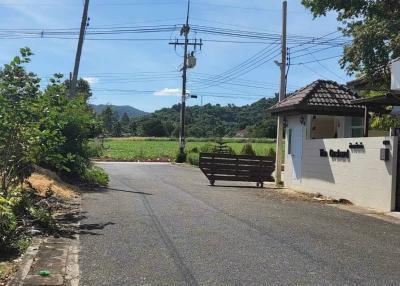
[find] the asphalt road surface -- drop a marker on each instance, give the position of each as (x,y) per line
(159,224)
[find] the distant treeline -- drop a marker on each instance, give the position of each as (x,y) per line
(208,121)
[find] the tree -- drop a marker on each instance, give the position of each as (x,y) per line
(83,87)
(153,127)
(117,129)
(66,125)
(133,128)
(109,119)
(125,123)
(374,27)
(19,133)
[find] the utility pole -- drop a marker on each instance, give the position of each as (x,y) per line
(185,32)
(282,95)
(84,23)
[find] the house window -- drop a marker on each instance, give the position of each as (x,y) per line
(289,141)
(357,127)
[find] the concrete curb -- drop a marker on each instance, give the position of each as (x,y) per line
(26,263)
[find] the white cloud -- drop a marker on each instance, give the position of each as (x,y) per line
(168,92)
(91,80)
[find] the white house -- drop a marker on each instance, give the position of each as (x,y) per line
(328,150)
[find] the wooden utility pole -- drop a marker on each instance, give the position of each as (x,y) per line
(282,95)
(73,83)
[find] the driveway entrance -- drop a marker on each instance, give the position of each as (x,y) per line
(159,224)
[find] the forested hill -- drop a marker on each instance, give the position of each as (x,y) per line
(212,121)
(119,110)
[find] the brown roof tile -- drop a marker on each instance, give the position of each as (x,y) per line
(318,95)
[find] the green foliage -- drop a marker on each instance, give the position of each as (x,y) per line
(154,148)
(8,225)
(95,176)
(248,150)
(202,121)
(18,121)
(374,27)
(271,152)
(109,118)
(153,127)
(125,124)
(44,217)
(193,158)
(66,126)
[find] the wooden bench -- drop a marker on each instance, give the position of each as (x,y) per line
(226,167)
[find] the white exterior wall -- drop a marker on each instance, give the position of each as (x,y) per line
(363,179)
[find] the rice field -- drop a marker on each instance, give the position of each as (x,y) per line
(154,149)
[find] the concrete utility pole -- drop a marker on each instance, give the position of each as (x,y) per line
(188,62)
(73,83)
(185,31)
(282,95)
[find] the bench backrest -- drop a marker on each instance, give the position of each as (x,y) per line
(226,167)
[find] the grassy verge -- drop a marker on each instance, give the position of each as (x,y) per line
(145,148)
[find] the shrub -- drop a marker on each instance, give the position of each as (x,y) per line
(94,176)
(193,158)
(180,157)
(271,152)
(207,148)
(194,150)
(248,150)
(95,149)
(8,225)
(44,217)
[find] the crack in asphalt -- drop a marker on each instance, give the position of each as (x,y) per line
(185,272)
(265,232)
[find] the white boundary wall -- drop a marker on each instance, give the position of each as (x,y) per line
(363,179)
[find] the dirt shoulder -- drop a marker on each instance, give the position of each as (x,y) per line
(61,200)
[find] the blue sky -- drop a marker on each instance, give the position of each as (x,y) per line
(145,74)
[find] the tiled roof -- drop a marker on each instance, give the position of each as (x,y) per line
(321,94)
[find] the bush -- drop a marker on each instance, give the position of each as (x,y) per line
(180,157)
(194,150)
(271,152)
(8,225)
(248,150)
(94,149)
(94,176)
(193,158)
(207,148)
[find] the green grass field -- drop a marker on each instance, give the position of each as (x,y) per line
(142,148)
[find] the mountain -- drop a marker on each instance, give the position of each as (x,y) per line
(212,121)
(120,109)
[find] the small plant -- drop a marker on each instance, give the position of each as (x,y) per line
(194,150)
(8,225)
(94,176)
(271,152)
(193,158)
(44,217)
(248,150)
(49,192)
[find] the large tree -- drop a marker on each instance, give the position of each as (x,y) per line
(374,27)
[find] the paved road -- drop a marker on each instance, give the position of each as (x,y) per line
(162,225)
